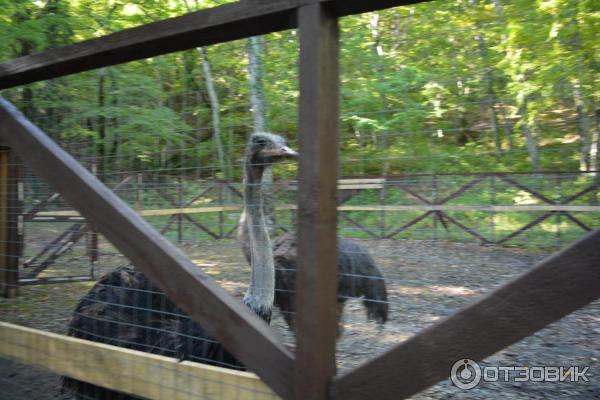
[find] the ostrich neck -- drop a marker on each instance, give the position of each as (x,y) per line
(268,209)
(260,294)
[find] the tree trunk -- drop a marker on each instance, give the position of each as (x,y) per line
(101,124)
(216,119)
(114,123)
(257,91)
(506,126)
(488,78)
(527,130)
(382,142)
(594,156)
(595,142)
(582,129)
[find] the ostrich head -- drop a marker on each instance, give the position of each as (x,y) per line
(263,149)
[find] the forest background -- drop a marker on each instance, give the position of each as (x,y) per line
(458,86)
(453,86)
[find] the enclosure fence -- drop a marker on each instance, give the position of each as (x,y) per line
(431,207)
(557,286)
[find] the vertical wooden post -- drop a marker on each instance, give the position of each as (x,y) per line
(139,183)
(11,222)
(317,230)
(557,220)
(382,212)
(180,206)
(93,234)
(434,200)
(221,214)
(493,201)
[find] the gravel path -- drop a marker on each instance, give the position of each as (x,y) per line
(426,281)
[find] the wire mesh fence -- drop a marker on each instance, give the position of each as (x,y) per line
(427,177)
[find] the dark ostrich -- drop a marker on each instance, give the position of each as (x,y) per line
(358,275)
(126,309)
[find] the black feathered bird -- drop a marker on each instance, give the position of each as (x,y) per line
(126,309)
(358,275)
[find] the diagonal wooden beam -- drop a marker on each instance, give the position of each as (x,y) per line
(465,228)
(359,225)
(577,221)
(521,186)
(244,334)
(197,196)
(200,226)
(166,227)
(406,188)
(554,288)
(524,228)
(59,246)
(234,190)
(396,231)
(224,23)
(463,189)
(577,195)
(75,233)
(40,206)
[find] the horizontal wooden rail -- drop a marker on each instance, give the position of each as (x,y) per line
(214,25)
(465,208)
(244,334)
(557,286)
(416,207)
(134,372)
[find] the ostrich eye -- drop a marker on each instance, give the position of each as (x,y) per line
(260,141)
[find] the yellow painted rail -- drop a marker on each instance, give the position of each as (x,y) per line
(147,375)
(415,207)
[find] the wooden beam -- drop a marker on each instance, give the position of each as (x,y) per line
(7,289)
(316,291)
(554,288)
(201,28)
(55,279)
(134,372)
(468,208)
(147,213)
(244,334)
(11,222)
(284,207)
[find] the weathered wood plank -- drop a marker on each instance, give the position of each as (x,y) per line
(11,222)
(317,229)
(242,332)
(467,208)
(554,288)
(7,289)
(135,372)
(214,25)
(55,279)
(412,207)
(358,181)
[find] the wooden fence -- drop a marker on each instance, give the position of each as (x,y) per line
(557,286)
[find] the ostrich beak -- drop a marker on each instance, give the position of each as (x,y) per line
(282,153)
(288,153)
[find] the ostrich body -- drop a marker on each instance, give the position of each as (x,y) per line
(358,275)
(126,309)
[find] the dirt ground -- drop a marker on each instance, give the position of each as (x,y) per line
(426,282)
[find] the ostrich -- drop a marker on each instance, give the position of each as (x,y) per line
(126,309)
(357,271)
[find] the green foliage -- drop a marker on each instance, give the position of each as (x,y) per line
(421,85)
